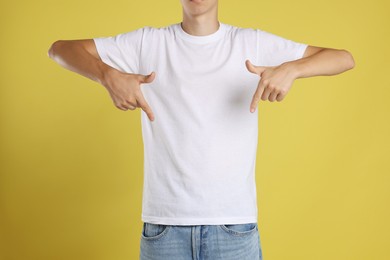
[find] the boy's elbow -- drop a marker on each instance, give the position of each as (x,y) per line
(351,61)
(53,47)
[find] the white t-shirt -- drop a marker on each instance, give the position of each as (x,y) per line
(200,151)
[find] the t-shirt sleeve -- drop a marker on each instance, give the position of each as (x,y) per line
(274,50)
(121,51)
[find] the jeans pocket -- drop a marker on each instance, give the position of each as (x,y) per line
(152,231)
(240,229)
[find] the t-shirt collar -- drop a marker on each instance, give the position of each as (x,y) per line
(201,39)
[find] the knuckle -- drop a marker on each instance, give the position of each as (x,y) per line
(266,82)
(129,98)
(271,86)
(139,96)
(130,101)
(141,102)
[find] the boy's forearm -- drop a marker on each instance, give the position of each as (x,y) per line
(326,62)
(75,58)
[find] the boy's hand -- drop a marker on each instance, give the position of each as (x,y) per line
(125,90)
(274,84)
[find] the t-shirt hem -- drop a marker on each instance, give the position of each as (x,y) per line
(101,50)
(301,51)
(199,221)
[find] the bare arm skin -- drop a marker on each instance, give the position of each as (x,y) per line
(326,62)
(81,56)
(276,81)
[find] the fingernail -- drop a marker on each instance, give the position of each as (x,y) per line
(252,109)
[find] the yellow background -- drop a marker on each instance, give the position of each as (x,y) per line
(72,163)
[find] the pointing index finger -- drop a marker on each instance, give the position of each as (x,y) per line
(145,106)
(256,97)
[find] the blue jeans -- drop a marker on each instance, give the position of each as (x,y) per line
(200,242)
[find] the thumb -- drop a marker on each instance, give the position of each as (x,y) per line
(254,69)
(147,78)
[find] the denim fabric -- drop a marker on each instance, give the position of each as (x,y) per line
(200,242)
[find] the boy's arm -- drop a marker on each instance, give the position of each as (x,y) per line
(80,56)
(276,80)
(321,62)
